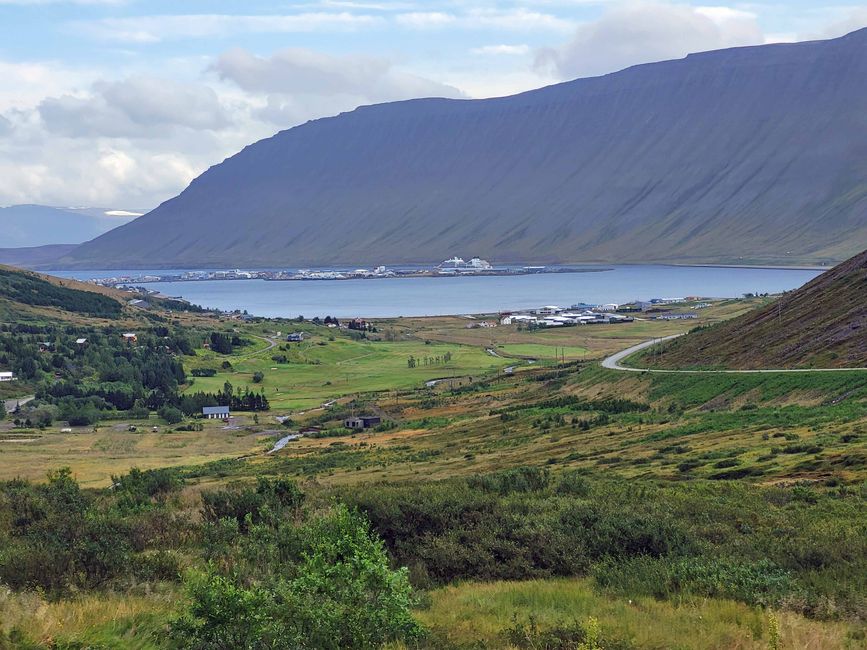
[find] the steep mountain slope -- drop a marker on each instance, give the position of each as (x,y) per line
(41,225)
(755,154)
(823,325)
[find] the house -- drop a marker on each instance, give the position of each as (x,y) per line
(7,376)
(81,342)
(215,412)
(362,422)
(45,346)
(295,337)
(549,310)
(130,338)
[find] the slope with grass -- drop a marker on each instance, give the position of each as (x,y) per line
(821,325)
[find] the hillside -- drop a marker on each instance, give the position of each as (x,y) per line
(34,290)
(32,257)
(28,226)
(754,154)
(822,325)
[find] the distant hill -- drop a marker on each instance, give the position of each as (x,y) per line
(821,325)
(754,155)
(40,225)
(34,257)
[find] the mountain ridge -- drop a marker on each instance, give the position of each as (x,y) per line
(753,155)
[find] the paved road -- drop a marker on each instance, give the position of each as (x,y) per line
(11,403)
(271,345)
(613,363)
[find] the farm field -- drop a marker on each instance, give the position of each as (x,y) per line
(95,456)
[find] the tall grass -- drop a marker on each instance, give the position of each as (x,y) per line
(94,620)
(480,615)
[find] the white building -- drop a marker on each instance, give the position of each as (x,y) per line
(215,412)
(7,376)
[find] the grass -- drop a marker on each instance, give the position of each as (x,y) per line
(134,621)
(320,370)
(460,616)
(95,456)
(479,614)
(540,351)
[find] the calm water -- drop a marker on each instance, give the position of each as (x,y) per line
(463,295)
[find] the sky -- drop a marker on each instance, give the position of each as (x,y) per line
(121,103)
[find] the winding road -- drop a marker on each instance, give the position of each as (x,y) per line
(613,363)
(11,404)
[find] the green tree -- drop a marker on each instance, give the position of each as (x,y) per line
(338,593)
(170,414)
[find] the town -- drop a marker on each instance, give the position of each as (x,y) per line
(453,267)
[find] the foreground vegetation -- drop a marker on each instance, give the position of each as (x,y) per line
(526,499)
(272,561)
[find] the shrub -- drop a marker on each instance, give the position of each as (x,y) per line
(171,414)
(335,591)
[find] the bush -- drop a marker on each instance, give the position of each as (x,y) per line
(334,589)
(171,414)
(249,506)
(258,376)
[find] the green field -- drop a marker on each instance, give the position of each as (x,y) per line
(541,351)
(320,369)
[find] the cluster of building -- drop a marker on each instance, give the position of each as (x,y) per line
(609,313)
(553,316)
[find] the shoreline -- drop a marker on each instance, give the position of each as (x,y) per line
(759,267)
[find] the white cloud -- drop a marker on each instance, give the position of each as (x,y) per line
(425,19)
(298,71)
(510,50)
(855,18)
(518,19)
(649,31)
(135,107)
(37,3)
(153,29)
(23,84)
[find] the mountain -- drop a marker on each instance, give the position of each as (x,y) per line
(33,257)
(822,325)
(39,225)
(753,155)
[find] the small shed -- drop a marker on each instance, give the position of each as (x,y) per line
(362,422)
(216,412)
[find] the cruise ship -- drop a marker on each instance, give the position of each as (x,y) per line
(459,264)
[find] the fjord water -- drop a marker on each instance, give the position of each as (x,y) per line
(380,298)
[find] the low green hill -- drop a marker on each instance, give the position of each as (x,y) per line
(34,290)
(821,325)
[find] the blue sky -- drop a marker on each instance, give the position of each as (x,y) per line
(120,103)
